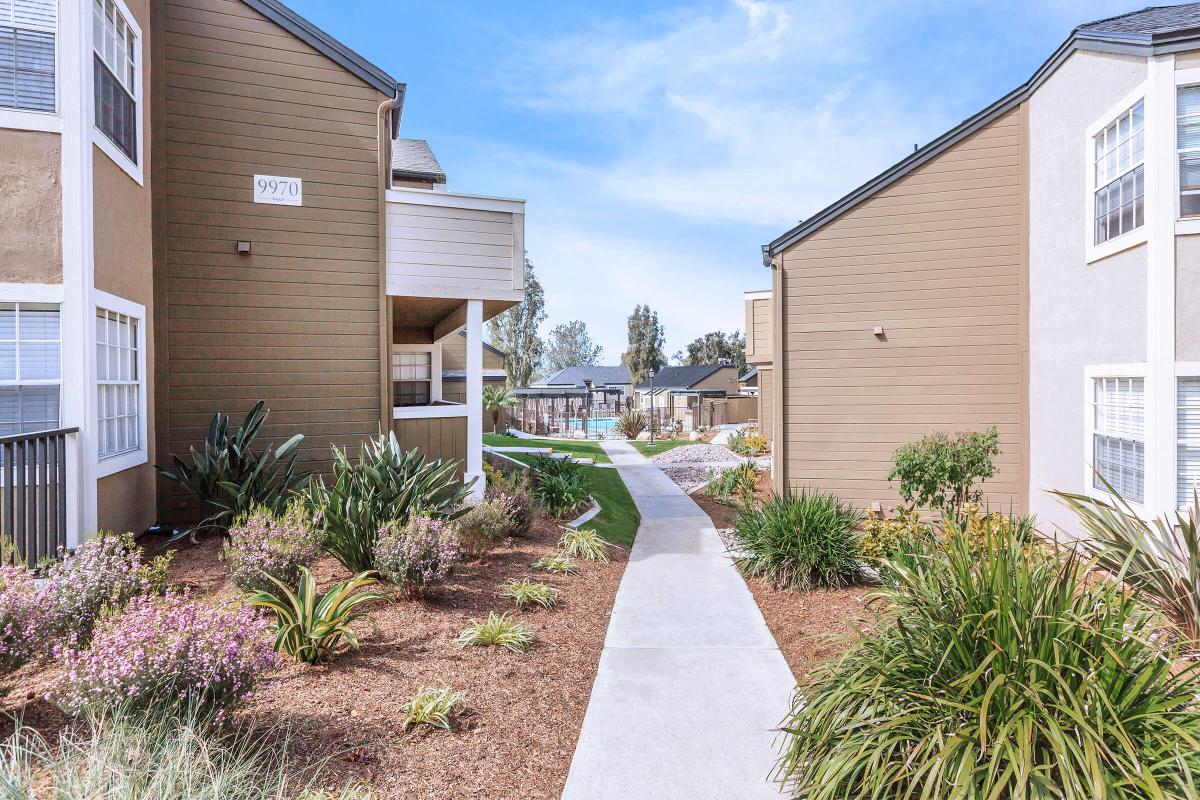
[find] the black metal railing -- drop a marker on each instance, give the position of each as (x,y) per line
(33,495)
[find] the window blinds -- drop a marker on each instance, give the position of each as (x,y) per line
(27,30)
(1187,422)
(1118,435)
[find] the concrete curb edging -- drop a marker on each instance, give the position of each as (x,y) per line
(586,516)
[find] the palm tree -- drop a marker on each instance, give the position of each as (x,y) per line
(496,399)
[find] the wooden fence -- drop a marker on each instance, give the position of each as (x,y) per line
(33,495)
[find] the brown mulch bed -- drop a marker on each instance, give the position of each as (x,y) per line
(524,711)
(810,627)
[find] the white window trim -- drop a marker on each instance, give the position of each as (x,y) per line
(1183,369)
(1126,241)
(103,301)
(1090,373)
(1183,225)
(435,371)
(24,119)
(48,293)
(98,136)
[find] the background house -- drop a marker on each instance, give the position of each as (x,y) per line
(759,344)
(694,396)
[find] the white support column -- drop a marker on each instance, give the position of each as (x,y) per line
(475,397)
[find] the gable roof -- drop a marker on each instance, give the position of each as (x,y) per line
(751,372)
(488,347)
(413,159)
(599,376)
(1154,30)
(681,377)
(316,38)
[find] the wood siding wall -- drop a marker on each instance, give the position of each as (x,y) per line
(939,260)
(431,249)
(758,330)
(297,322)
(766,399)
(444,438)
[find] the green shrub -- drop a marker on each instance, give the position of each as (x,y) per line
(230,477)
(500,630)
(561,486)
(631,422)
(733,484)
(386,484)
(940,471)
(434,707)
(884,543)
(307,628)
(262,546)
(999,676)
(483,526)
(525,592)
(799,541)
(585,544)
(562,565)
(747,443)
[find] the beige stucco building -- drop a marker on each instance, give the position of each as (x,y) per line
(205,203)
(1035,268)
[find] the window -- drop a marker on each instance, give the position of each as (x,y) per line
(413,374)
(1118,435)
(116,49)
(1187,135)
(1187,424)
(1120,175)
(27,32)
(118,393)
(30,367)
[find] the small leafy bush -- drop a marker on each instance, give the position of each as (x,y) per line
(979,528)
(434,707)
(525,592)
(309,629)
(386,484)
(733,484)
(103,574)
(167,653)
(631,422)
(941,470)
(799,541)
(747,443)
(585,544)
(231,476)
(517,505)
(482,527)
(999,676)
(29,617)
(500,630)
(262,547)
(559,564)
(562,486)
(416,555)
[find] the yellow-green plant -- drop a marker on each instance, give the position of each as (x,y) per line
(881,538)
(307,628)
(434,707)
(585,544)
(498,629)
(525,592)
(563,565)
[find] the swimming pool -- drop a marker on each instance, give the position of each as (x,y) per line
(595,426)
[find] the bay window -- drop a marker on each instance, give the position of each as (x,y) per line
(115,45)
(28,29)
(1118,443)
(118,383)
(1119,175)
(30,367)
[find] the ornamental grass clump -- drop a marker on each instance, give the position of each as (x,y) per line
(483,527)
(166,653)
(585,544)
(417,555)
(557,563)
(29,618)
(995,675)
(434,707)
(101,576)
(499,630)
(262,546)
(525,592)
(799,541)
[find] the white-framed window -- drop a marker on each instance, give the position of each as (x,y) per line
(30,367)
(412,377)
(28,30)
(1187,433)
(1187,141)
(115,47)
(1117,435)
(118,383)
(1118,175)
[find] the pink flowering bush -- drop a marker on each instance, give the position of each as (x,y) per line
(261,545)
(515,500)
(103,574)
(416,555)
(28,618)
(163,652)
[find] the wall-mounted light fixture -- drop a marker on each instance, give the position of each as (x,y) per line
(244,248)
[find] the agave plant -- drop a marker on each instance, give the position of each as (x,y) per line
(231,477)
(386,484)
(1160,558)
(307,628)
(631,422)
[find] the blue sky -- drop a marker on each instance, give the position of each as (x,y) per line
(660,144)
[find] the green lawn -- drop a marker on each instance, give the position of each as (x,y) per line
(618,519)
(659,446)
(583,448)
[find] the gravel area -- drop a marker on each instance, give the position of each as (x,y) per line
(687,478)
(695,454)
(524,711)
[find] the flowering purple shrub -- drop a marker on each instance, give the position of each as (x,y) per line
(483,527)
(103,574)
(165,652)
(516,500)
(262,544)
(28,618)
(417,555)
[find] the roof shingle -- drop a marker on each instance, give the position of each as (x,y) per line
(413,158)
(1150,21)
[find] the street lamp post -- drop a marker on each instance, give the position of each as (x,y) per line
(651,405)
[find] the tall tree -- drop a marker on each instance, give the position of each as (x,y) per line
(646,341)
(716,347)
(569,345)
(515,331)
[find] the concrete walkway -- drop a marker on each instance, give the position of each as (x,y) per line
(691,683)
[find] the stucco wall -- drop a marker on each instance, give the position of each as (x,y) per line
(30,207)
(1079,313)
